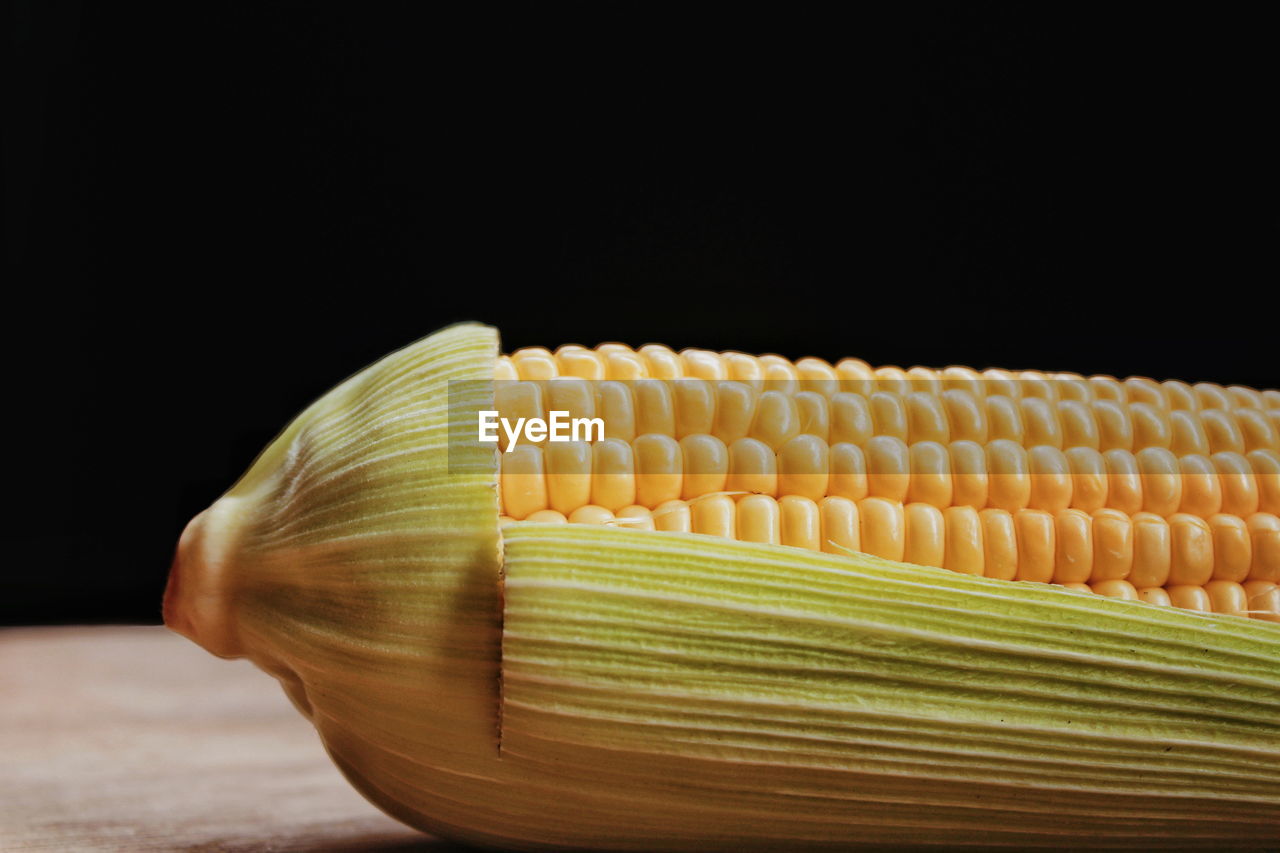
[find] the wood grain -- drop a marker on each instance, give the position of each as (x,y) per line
(132,738)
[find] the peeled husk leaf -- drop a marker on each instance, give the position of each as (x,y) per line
(575,686)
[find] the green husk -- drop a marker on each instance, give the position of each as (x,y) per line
(573,686)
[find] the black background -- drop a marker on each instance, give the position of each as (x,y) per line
(215,213)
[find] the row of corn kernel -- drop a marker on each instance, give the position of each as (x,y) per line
(1232,566)
(731,410)
(616,361)
(655,468)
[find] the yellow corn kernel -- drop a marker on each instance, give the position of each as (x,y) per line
(1212,396)
(1151,426)
(524,484)
(1004,419)
(1073,531)
(616,408)
(1107,388)
(547,516)
(613,481)
(695,406)
(535,363)
(753,467)
(1256,430)
(817,376)
(1009,480)
(1263,599)
(1072,387)
(777,419)
(1201,488)
(926,418)
(1040,423)
(1227,597)
(1115,432)
(1179,396)
(848,472)
(1112,546)
(1189,597)
(569,394)
(1115,588)
(800,522)
(1079,429)
(1089,480)
(804,466)
(893,380)
(1152,551)
(1037,386)
(659,472)
(1239,486)
(759,520)
(1232,548)
(925,379)
(925,535)
(624,365)
(504,370)
(1036,545)
(888,415)
(1001,383)
(964,540)
(580,362)
(882,527)
(702,364)
(744,368)
(851,419)
(966,415)
(654,407)
(1245,398)
(1266,471)
(999,544)
(1156,596)
(715,515)
(591,514)
(1124,482)
(515,400)
(963,379)
(1264,538)
(1187,434)
(969,481)
(855,376)
(1191,550)
(635,517)
(661,362)
(839,518)
(930,474)
(779,374)
(568,469)
(815,414)
(888,467)
(1222,430)
(1140,389)
(735,410)
(1050,478)
(706,465)
(1161,480)
(674,516)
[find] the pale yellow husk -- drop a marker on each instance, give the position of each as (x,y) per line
(572,686)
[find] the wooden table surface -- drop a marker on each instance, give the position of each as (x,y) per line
(133,738)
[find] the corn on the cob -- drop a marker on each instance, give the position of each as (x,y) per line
(592,670)
(1136,490)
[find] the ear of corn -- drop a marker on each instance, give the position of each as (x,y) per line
(1135,490)
(619,679)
